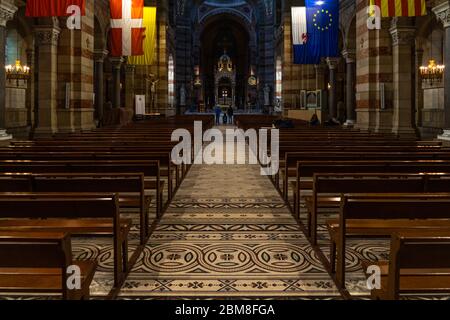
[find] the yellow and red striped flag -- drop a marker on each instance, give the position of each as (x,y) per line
(400,8)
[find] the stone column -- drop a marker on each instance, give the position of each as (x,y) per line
(403,35)
(442,11)
(130,72)
(100,56)
(350,60)
(46,38)
(7,10)
(332,101)
(117,65)
(320,76)
(30,91)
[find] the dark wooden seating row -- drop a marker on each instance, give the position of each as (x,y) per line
(328,187)
(306,170)
(39,262)
(289,170)
(150,169)
(169,173)
(78,214)
(129,187)
(419,263)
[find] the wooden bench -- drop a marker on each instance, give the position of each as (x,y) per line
(419,263)
(149,168)
(33,262)
(128,186)
(168,170)
(380,215)
(78,214)
(291,158)
(327,188)
(306,169)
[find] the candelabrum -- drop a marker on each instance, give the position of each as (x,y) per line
(432,73)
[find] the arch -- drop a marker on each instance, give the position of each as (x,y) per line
(219,33)
(99,35)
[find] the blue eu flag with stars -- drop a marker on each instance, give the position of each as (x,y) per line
(322,31)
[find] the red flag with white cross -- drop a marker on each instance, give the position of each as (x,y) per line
(53,8)
(127,31)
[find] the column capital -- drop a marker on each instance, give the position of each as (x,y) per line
(47,35)
(100,55)
(349,55)
(116,62)
(402,35)
(333,63)
(30,58)
(130,68)
(7,11)
(442,12)
(402,31)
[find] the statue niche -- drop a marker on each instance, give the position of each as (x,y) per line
(225,81)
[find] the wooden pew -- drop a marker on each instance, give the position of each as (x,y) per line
(79,214)
(419,263)
(306,169)
(291,159)
(327,188)
(167,169)
(150,169)
(128,186)
(33,262)
(379,215)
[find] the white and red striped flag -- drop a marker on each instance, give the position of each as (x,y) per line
(127,32)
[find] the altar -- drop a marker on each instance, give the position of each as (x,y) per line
(225,82)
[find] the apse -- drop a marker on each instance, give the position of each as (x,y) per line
(224,34)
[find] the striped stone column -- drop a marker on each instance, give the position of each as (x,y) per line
(442,11)
(403,35)
(47,43)
(373,73)
(7,10)
(75,93)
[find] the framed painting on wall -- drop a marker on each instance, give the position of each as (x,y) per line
(311,99)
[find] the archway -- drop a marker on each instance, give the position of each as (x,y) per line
(221,34)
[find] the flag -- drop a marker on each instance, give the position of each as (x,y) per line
(322,31)
(149,40)
(299,32)
(127,32)
(400,8)
(52,8)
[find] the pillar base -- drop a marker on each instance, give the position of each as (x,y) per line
(4,136)
(170,112)
(44,132)
(406,133)
(349,123)
(445,136)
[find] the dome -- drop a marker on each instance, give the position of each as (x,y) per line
(225,3)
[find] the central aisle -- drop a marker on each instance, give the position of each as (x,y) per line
(228,233)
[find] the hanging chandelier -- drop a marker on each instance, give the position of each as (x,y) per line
(17,71)
(432,73)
